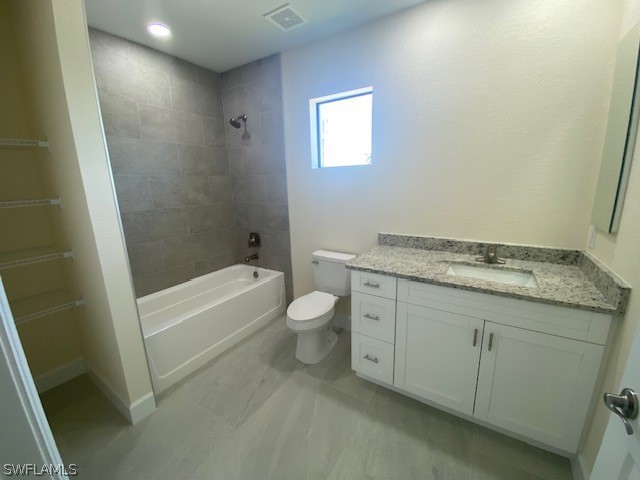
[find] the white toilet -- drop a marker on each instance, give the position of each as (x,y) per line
(311,316)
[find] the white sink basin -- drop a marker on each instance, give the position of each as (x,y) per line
(506,277)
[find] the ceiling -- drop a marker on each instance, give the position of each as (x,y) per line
(223,34)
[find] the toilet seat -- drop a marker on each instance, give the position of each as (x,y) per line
(312,306)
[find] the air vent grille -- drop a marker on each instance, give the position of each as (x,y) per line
(285,17)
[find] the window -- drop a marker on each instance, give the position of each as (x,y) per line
(341,129)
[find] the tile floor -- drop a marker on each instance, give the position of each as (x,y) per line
(257,413)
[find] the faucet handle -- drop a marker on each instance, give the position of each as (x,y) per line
(491,255)
(254,240)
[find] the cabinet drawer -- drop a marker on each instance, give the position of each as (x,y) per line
(372,357)
(373,284)
(373,316)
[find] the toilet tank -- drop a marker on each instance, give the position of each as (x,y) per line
(330,274)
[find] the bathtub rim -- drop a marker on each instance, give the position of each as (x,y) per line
(149,332)
(199,279)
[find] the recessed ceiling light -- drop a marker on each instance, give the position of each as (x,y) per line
(158,30)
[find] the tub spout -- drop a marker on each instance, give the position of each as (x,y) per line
(254,256)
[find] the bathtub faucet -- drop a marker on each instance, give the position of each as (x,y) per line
(254,256)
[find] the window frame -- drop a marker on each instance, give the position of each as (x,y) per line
(314,111)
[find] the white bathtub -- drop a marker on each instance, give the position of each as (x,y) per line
(186,326)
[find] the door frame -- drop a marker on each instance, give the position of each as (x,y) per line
(36,440)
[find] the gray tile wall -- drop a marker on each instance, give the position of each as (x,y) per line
(165,132)
(256,161)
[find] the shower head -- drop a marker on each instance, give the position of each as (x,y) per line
(235,122)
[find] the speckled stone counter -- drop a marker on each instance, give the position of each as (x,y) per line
(565,278)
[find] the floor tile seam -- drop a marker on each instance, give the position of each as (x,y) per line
(366,402)
(354,431)
(516,465)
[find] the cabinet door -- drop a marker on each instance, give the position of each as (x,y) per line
(535,384)
(437,355)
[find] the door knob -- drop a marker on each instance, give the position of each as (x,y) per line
(624,405)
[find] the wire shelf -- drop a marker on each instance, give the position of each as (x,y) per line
(41,305)
(50,311)
(23,143)
(30,256)
(30,203)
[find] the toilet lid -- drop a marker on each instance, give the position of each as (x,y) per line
(311,306)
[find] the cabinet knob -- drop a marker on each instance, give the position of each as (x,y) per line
(490,341)
(475,337)
(371,317)
(372,285)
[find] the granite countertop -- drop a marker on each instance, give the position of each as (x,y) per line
(561,284)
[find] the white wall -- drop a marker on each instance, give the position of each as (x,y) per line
(64,108)
(621,253)
(488,124)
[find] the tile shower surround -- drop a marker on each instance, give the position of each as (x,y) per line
(167,139)
(256,161)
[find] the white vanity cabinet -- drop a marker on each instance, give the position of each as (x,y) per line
(523,367)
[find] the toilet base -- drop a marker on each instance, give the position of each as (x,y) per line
(313,347)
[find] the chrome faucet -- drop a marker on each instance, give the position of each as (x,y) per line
(491,256)
(253,256)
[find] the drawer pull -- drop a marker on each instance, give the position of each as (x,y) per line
(372,285)
(371,317)
(490,341)
(475,337)
(371,359)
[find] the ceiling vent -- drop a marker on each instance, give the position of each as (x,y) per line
(285,17)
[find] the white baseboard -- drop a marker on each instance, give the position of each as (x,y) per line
(579,468)
(48,380)
(133,412)
(142,407)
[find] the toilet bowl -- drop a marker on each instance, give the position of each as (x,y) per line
(311,317)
